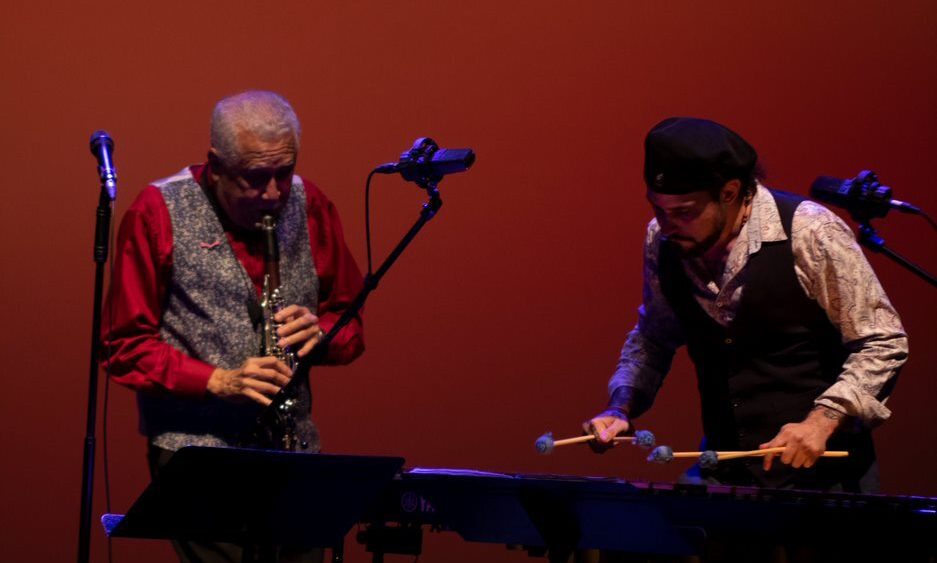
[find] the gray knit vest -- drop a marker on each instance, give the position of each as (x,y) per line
(206,315)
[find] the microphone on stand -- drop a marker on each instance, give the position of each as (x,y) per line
(102,147)
(865,199)
(425,161)
(863,196)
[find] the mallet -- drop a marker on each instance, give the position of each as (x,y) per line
(546,443)
(709,458)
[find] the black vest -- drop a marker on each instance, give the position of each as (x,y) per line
(766,368)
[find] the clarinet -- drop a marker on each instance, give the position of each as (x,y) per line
(277,424)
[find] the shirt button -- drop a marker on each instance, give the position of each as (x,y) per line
(729,341)
(735,404)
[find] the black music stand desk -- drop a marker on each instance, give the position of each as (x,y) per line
(256,497)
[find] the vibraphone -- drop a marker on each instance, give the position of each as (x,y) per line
(316,499)
(558,515)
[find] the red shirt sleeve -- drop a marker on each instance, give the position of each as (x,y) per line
(133,352)
(340,279)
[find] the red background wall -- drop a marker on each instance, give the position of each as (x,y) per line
(504,319)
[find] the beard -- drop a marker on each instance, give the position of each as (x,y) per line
(697,248)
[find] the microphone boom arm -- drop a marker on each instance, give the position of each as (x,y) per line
(870,239)
(371,281)
(268,419)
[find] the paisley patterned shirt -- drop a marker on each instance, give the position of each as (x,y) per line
(831,269)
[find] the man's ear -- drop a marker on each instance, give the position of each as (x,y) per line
(731,191)
(214,164)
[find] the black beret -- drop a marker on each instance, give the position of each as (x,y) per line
(687,154)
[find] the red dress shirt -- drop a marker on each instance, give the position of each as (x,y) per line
(135,354)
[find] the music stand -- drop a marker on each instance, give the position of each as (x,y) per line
(258,499)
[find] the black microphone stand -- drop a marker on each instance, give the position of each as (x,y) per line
(870,239)
(271,415)
(101,237)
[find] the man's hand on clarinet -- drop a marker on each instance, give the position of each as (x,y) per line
(300,327)
(605,426)
(805,441)
(258,379)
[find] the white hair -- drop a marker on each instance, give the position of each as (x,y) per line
(265,114)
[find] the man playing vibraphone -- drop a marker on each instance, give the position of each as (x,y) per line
(794,341)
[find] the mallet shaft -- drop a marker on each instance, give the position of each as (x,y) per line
(766,451)
(586,438)
(755,453)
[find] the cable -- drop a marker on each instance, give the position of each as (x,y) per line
(367,217)
(929,219)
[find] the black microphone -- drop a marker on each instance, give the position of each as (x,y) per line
(426,162)
(102,147)
(863,196)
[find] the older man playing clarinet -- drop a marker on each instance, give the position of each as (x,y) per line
(184,306)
